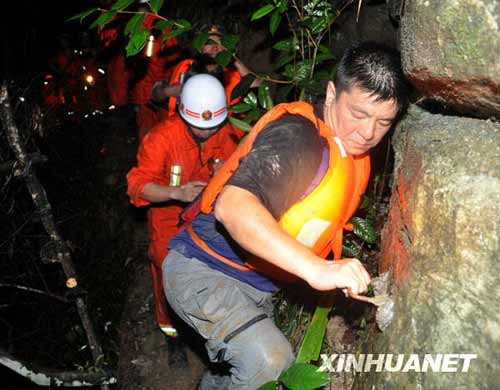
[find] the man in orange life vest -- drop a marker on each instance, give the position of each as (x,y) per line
(274,211)
(174,162)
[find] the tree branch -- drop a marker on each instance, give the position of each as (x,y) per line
(42,204)
(35,290)
(45,377)
(35,158)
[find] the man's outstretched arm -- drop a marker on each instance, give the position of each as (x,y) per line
(252,226)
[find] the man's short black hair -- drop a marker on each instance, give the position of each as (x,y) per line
(374,68)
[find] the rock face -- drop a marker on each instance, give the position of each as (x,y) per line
(374,24)
(451,50)
(442,245)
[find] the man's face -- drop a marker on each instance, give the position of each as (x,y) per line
(212,49)
(204,134)
(357,118)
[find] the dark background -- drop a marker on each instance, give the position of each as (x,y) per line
(30,29)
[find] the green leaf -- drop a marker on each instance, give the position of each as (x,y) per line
(82,15)
(285,45)
(269,386)
(283,6)
(174,33)
(325,49)
(317,25)
(224,58)
(103,19)
(253,115)
(366,202)
(155,5)
(251,99)
(350,249)
(161,24)
(199,41)
(274,22)
(240,124)
(229,41)
(263,11)
(120,5)
(238,108)
(134,24)
(182,23)
(265,97)
(242,87)
(312,88)
(283,60)
(303,376)
(323,57)
(137,42)
(364,229)
(313,339)
(299,71)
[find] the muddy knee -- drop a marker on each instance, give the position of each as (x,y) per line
(259,354)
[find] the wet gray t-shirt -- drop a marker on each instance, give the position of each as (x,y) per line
(282,163)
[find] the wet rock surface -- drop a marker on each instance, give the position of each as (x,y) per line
(442,246)
(450,52)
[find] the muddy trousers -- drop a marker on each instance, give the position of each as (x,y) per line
(234,318)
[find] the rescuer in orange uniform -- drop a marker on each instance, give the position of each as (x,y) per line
(164,94)
(154,64)
(274,211)
(175,161)
(118,73)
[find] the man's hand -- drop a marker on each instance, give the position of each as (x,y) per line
(189,191)
(347,274)
(173,90)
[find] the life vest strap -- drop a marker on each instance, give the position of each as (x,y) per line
(202,245)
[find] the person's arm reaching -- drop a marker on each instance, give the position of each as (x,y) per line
(153,192)
(162,90)
(252,226)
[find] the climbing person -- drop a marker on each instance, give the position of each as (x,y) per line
(175,161)
(164,94)
(275,210)
(112,51)
(154,63)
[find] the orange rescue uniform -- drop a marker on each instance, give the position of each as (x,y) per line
(168,144)
(158,66)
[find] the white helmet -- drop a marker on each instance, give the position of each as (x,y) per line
(203,101)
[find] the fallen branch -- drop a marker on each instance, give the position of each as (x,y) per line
(43,207)
(35,290)
(35,158)
(44,377)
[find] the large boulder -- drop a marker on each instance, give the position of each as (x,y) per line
(450,51)
(373,24)
(442,247)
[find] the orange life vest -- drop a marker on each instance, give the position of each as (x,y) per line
(318,220)
(175,78)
